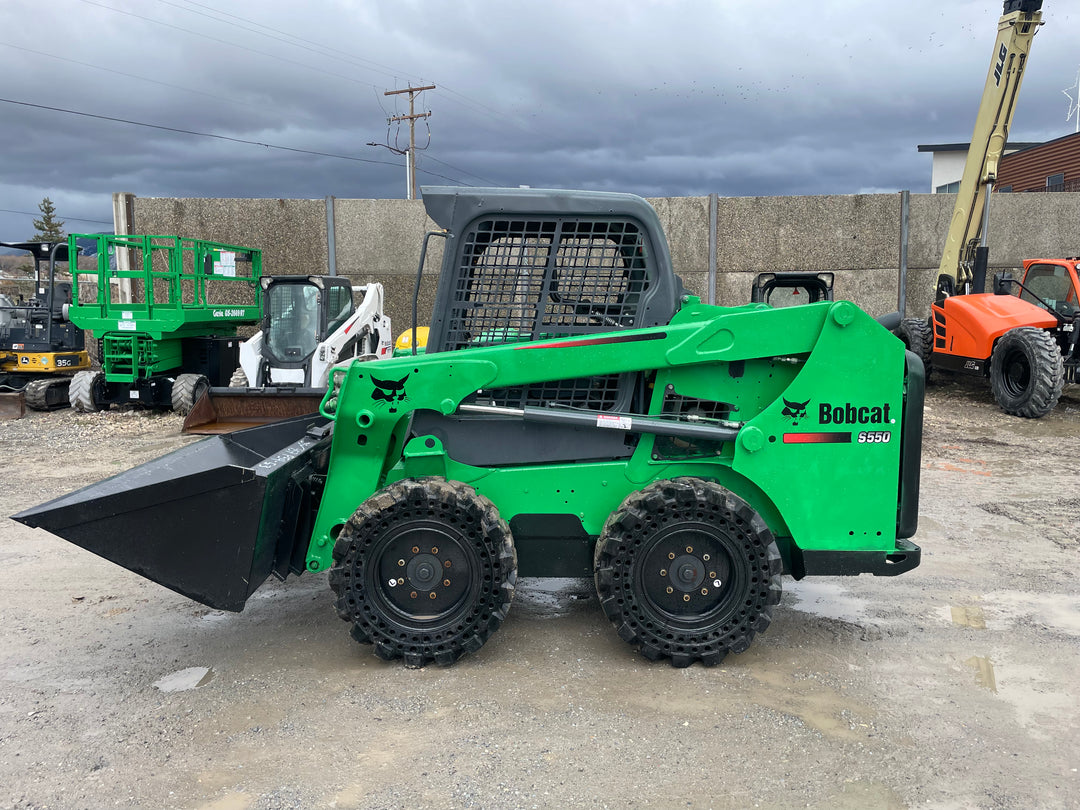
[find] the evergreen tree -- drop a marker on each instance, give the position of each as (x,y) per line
(48,228)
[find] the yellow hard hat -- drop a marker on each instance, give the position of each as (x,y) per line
(404,340)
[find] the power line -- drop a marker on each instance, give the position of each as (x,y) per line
(225,138)
(64,219)
(487,180)
(128,75)
(200,134)
(324,50)
(229,43)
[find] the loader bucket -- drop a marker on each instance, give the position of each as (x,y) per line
(205,520)
(224,410)
(12,405)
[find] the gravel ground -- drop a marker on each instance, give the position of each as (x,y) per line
(953,686)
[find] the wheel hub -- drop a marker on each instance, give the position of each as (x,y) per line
(686,573)
(423,574)
(423,571)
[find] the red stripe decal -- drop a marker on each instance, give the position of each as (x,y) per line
(817,438)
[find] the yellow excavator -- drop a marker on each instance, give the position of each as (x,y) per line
(39,346)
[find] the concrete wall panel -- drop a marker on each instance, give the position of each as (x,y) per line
(290,233)
(758,234)
(686,224)
(856,236)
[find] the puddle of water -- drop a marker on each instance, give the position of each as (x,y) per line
(185,679)
(1044,698)
(234,801)
(1055,611)
(825,598)
(984,672)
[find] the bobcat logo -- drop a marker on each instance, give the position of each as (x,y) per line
(389,391)
(794,410)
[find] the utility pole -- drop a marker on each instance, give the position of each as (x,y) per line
(410,155)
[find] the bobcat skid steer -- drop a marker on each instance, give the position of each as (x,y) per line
(309,324)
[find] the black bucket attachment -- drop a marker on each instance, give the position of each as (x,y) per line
(224,410)
(211,520)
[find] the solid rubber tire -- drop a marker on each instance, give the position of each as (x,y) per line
(186,390)
(81,391)
(471,523)
(651,516)
(918,338)
(1027,372)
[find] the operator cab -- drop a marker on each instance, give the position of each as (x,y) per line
(299,314)
(1054,285)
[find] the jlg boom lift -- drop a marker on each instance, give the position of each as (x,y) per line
(1026,343)
(577,414)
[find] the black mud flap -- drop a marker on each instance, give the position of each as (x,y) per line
(206,520)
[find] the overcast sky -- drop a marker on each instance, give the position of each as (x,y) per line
(656,97)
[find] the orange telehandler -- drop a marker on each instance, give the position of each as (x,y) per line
(1024,342)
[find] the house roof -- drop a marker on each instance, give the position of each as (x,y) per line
(963,147)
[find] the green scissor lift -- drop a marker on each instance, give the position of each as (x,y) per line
(177,335)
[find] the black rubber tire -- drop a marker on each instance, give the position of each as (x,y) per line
(918,337)
(663,610)
(422,529)
(186,390)
(39,392)
(238,379)
(83,390)
(1027,372)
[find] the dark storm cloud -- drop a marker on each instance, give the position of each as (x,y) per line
(655,97)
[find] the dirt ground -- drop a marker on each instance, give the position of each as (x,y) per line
(953,686)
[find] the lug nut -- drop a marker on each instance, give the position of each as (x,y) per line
(670,589)
(446,583)
(671,555)
(431,595)
(401,581)
(686,597)
(413,594)
(446,563)
(401,563)
(415,549)
(434,549)
(689,549)
(704,591)
(705,557)
(663,572)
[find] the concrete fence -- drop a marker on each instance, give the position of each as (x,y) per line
(718,244)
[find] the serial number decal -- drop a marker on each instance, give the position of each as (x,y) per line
(875,437)
(228,313)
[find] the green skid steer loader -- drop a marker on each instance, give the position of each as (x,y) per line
(576,413)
